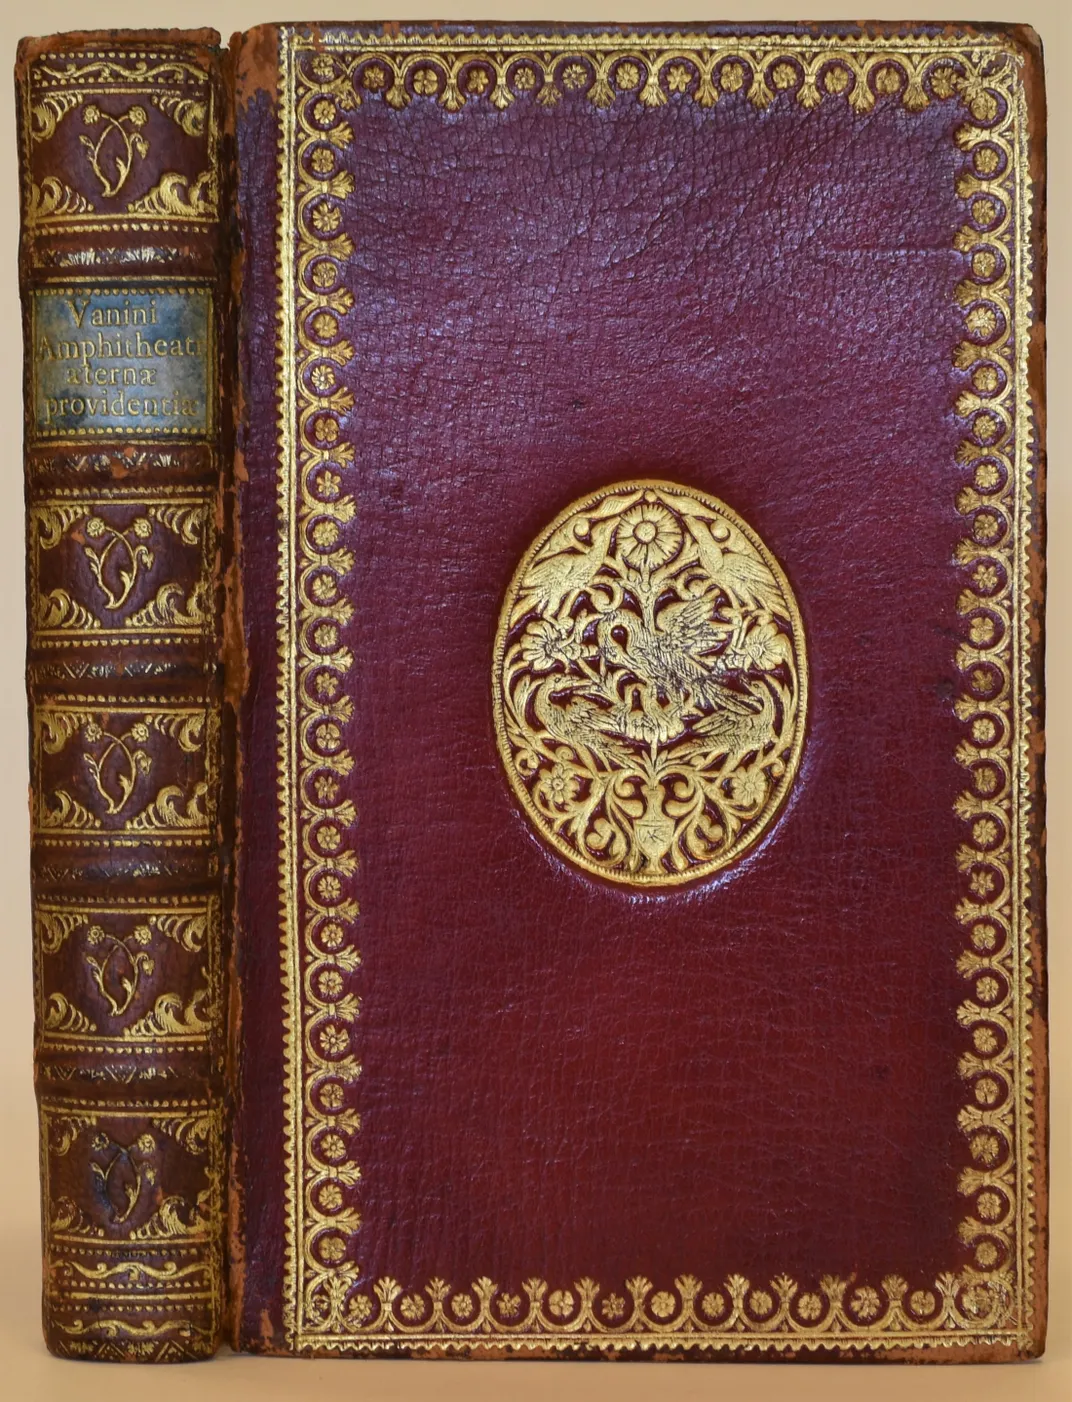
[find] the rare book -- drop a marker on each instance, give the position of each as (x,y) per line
(535,580)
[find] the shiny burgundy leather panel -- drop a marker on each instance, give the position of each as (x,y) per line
(756,1074)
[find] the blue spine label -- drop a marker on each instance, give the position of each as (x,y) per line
(128,360)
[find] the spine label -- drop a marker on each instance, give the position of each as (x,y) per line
(129,359)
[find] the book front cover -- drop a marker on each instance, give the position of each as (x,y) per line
(639,900)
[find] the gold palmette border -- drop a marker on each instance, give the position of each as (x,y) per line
(988,1302)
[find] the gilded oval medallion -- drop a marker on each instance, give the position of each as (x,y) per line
(650,684)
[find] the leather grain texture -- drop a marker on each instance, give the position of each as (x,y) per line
(522,1062)
(123,147)
(762,1113)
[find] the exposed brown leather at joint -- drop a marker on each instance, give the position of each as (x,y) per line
(234,654)
(255,55)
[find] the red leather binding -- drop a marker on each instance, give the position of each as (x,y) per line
(754,1077)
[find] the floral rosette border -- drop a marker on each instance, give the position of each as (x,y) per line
(328,1307)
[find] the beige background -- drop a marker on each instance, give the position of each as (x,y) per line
(26,1371)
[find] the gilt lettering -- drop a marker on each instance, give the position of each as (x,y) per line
(125,360)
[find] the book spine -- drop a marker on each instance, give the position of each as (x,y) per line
(124,142)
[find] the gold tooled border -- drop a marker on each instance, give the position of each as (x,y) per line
(988,1305)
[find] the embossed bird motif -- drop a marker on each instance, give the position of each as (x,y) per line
(651,683)
(743,577)
(739,723)
(563,576)
(643,717)
(577,721)
(674,656)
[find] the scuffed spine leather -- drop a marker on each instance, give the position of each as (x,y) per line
(124,143)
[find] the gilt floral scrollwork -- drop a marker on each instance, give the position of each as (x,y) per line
(122,1172)
(120,749)
(116,959)
(650,684)
(104,540)
(985,1300)
(125,958)
(133,1202)
(131,590)
(119,756)
(112,149)
(116,138)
